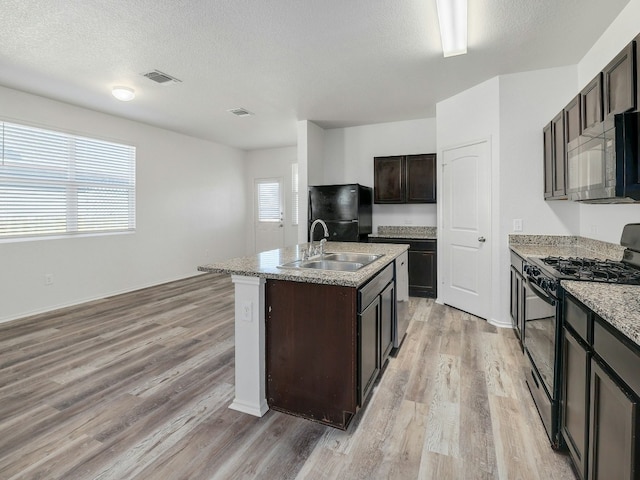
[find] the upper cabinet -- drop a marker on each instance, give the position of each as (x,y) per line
(591,102)
(405,179)
(614,90)
(619,82)
(555,159)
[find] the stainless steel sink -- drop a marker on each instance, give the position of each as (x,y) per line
(342,262)
(363,258)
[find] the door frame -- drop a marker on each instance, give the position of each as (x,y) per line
(493,219)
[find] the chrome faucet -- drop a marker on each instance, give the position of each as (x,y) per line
(313,250)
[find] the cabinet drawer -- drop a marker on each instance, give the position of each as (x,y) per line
(577,318)
(516,262)
(621,358)
(371,290)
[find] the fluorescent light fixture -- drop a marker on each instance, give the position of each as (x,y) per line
(452,15)
(123,93)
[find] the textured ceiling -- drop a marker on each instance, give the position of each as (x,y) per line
(335,62)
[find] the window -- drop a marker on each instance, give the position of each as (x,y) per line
(269,202)
(295,198)
(54,183)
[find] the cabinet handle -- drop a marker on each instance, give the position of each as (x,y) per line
(482,239)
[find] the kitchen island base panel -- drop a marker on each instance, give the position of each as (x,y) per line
(250,393)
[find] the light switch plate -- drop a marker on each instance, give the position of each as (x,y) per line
(517,224)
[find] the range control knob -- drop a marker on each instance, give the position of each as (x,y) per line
(552,286)
(544,283)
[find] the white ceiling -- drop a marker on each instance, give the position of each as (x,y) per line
(335,62)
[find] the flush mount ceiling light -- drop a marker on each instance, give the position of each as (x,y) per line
(123,93)
(452,15)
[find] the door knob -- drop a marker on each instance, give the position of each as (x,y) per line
(482,239)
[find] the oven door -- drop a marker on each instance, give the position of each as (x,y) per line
(540,337)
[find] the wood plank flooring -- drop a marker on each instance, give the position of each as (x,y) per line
(137,386)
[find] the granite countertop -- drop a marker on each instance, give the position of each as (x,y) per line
(408,232)
(563,246)
(265,264)
(619,305)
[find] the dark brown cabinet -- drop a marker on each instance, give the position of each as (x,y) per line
(405,179)
(619,82)
(600,387)
(572,121)
(326,345)
(517,298)
(613,423)
(591,100)
(422,267)
(555,159)
(575,396)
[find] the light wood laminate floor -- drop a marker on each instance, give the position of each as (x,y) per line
(137,386)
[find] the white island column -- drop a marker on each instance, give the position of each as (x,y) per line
(251,395)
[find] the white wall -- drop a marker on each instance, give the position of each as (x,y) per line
(605,222)
(270,163)
(348,158)
(190,210)
(527,102)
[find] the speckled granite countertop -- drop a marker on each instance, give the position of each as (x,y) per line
(564,246)
(408,232)
(619,305)
(265,264)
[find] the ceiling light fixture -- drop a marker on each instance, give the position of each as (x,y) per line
(123,93)
(452,15)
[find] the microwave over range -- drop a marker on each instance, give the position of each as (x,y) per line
(603,164)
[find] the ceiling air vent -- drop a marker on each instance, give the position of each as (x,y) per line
(161,78)
(240,112)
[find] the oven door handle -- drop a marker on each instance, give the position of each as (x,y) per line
(541,293)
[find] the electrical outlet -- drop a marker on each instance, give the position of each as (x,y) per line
(48,279)
(517,224)
(247,312)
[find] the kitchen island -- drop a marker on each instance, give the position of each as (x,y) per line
(309,330)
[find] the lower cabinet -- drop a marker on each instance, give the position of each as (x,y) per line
(613,423)
(575,394)
(517,297)
(326,345)
(600,393)
(423,264)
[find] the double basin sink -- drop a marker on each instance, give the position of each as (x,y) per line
(342,262)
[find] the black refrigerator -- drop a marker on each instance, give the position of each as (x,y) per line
(346,209)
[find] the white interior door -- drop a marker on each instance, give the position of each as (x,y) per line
(269,214)
(465,241)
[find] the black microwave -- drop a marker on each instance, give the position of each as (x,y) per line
(603,166)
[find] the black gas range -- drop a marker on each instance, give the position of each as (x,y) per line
(544,313)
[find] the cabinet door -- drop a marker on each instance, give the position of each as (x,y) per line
(591,99)
(369,345)
(387,304)
(612,432)
(619,82)
(559,156)
(575,399)
(515,294)
(572,121)
(421,178)
(548,161)
(422,274)
(389,180)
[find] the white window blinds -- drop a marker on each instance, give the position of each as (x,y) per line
(269,209)
(54,183)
